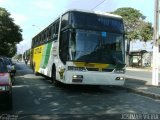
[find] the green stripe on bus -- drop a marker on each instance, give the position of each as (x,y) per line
(46,54)
(43,56)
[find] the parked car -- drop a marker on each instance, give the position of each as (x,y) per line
(10,65)
(5,86)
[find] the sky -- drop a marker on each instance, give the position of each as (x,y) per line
(34,15)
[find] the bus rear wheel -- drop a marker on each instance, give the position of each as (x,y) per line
(35,72)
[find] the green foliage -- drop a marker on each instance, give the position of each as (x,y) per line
(135,26)
(8,49)
(18,56)
(10,34)
(146,31)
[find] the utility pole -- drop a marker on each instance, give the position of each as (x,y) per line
(155,45)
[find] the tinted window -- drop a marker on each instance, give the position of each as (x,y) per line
(95,21)
(56,27)
(97,47)
(3,67)
(65,20)
(64,50)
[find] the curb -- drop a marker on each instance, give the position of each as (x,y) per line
(143,93)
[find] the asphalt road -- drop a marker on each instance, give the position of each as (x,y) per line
(141,75)
(34,97)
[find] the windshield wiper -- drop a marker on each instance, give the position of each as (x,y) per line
(120,65)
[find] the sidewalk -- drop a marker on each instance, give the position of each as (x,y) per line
(149,69)
(139,86)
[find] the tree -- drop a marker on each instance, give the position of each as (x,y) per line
(146,31)
(18,57)
(10,34)
(135,26)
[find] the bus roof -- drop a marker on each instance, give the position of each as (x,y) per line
(86,11)
(96,12)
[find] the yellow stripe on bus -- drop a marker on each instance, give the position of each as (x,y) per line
(100,66)
(37,56)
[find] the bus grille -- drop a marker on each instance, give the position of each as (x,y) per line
(97,69)
(92,69)
(107,70)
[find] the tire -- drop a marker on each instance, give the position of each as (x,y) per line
(34,71)
(96,86)
(54,81)
(9,104)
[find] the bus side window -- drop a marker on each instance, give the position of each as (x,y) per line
(64,43)
(65,18)
(45,36)
(36,42)
(57,27)
(33,42)
(49,33)
(54,32)
(40,37)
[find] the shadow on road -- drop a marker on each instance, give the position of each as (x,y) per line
(134,81)
(35,97)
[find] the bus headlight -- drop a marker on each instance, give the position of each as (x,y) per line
(120,78)
(73,68)
(77,78)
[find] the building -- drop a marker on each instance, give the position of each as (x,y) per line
(141,53)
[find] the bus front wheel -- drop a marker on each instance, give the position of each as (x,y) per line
(54,81)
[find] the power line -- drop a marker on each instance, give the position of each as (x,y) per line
(98,4)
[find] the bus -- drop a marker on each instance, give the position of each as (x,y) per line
(81,47)
(26,56)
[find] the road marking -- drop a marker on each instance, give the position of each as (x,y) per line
(36,101)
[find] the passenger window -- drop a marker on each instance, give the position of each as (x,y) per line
(64,49)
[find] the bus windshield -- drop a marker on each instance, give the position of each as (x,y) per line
(82,20)
(97,47)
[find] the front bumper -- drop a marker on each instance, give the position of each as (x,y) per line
(94,78)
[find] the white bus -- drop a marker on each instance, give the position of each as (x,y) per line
(81,47)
